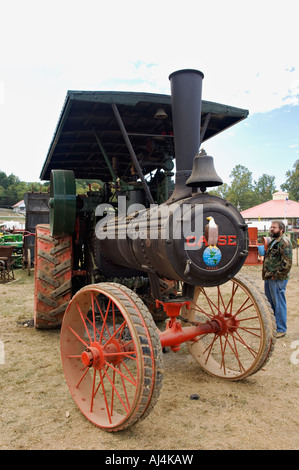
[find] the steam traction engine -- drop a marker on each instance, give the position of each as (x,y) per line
(135,250)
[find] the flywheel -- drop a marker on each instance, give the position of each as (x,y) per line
(62,203)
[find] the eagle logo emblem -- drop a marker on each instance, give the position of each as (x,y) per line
(212,254)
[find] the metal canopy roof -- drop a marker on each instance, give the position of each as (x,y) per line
(87,129)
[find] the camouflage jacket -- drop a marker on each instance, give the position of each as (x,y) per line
(278,259)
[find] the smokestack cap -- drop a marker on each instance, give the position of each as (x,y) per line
(186,71)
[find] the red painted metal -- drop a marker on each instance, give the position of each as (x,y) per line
(253,257)
(175,335)
(173,308)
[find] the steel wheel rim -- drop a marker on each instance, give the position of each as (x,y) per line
(108,390)
(241,346)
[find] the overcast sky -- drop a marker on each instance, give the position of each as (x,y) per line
(247,50)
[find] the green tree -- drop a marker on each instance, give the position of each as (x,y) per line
(241,192)
(12,180)
(21,189)
(221,191)
(6,181)
(292,182)
(12,189)
(3,179)
(264,188)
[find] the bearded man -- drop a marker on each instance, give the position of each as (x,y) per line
(277,264)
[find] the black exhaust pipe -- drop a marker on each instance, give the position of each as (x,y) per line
(186,88)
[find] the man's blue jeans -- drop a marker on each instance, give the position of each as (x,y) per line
(275,292)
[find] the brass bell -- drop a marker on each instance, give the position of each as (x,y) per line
(203,173)
(161,114)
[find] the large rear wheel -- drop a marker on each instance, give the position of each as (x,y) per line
(246,336)
(111,355)
(52,277)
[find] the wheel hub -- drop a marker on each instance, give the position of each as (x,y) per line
(112,351)
(93,356)
(228,323)
(96,355)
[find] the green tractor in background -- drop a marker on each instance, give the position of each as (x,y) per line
(13,240)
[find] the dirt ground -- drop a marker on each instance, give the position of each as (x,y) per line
(37,411)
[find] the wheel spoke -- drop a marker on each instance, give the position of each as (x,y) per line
(124,388)
(128,371)
(105,321)
(234,350)
(93,389)
(83,321)
(250,349)
(129,343)
(82,377)
(121,328)
(211,305)
(112,393)
(201,310)
(116,391)
(222,365)
(242,309)
(133,382)
(249,330)
(93,317)
(105,396)
(248,318)
(78,337)
(209,348)
(126,354)
(222,300)
(231,301)
(95,329)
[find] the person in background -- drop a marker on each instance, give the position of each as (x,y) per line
(277,264)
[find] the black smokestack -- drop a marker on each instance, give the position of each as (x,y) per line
(186,87)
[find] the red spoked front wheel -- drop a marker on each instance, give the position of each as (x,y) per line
(246,336)
(111,355)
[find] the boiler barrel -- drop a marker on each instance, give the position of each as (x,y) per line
(173,240)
